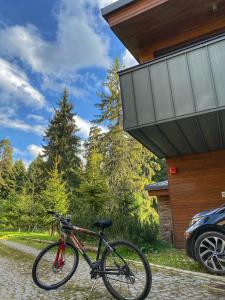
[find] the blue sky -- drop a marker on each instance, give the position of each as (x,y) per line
(47,45)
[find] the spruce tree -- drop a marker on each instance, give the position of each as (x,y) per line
(110,105)
(54,197)
(63,144)
(6,169)
(126,163)
(36,177)
(94,141)
(19,176)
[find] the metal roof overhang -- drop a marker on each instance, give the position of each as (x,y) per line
(115,6)
(176,105)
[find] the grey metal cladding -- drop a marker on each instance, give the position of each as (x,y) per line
(193,134)
(163,185)
(217,58)
(176,137)
(175,105)
(129,109)
(181,85)
(211,130)
(161,91)
(201,79)
(143,96)
(160,140)
(143,139)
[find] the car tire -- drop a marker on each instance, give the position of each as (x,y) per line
(209,250)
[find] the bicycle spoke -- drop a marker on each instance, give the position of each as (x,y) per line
(132,279)
(54,266)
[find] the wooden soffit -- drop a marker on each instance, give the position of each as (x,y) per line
(148,26)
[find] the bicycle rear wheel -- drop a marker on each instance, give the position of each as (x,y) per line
(55,265)
(127,272)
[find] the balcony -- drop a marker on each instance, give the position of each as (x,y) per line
(176,105)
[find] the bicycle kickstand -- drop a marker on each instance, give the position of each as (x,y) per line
(92,288)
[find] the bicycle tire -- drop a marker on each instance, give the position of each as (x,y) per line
(35,277)
(147,269)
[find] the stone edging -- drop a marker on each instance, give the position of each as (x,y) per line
(197,274)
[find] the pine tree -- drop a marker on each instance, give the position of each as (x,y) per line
(54,197)
(111,105)
(19,176)
(6,169)
(36,177)
(94,141)
(126,163)
(63,143)
(93,191)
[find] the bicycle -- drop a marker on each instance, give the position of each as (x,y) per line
(124,269)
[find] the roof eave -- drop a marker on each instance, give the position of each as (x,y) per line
(114,7)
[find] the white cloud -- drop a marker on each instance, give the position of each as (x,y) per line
(128,59)
(35,150)
(8,120)
(78,45)
(85,126)
(18,153)
(37,118)
(15,85)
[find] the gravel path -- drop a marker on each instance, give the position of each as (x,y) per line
(16,283)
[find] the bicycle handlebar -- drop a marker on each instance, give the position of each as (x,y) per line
(63,220)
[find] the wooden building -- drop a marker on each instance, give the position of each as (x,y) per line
(174,101)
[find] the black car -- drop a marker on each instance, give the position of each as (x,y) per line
(205,240)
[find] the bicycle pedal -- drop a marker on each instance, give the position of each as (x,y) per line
(93,274)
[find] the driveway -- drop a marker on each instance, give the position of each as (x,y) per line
(16,282)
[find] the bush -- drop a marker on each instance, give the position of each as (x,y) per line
(124,227)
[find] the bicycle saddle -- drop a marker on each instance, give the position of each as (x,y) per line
(103,223)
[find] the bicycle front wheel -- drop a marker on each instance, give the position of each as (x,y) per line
(55,265)
(126,272)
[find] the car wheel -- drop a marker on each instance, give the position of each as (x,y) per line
(210,252)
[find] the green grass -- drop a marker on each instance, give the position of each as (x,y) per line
(176,259)
(159,254)
(15,235)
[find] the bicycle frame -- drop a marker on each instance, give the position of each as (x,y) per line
(71,235)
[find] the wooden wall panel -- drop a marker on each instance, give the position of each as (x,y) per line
(196,187)
(191,36)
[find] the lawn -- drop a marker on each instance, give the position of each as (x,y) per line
(169,257)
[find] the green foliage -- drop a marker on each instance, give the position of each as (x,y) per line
(110,183)
(36,177)
(127,165)
(54,197)
(63,144)
(161,172)
(93,190)
(117,169)
(19,175)
(20,211)
(111,105)
(6,169)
